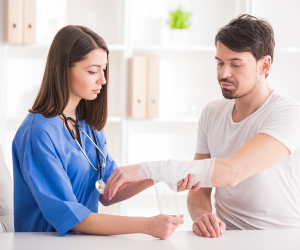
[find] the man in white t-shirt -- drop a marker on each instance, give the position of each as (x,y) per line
(256,131)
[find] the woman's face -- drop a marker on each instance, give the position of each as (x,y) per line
(87,76)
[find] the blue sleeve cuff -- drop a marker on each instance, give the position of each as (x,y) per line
(73,218)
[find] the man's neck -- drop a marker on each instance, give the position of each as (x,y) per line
(247,105)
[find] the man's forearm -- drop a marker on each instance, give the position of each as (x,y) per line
(199,203)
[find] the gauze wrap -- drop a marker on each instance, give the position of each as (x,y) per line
(166,175)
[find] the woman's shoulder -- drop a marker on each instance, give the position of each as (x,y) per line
(38,122)
(35,124)
(35,130)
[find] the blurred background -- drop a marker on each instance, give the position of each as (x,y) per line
(187,78)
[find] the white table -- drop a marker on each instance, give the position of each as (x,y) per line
(181,240)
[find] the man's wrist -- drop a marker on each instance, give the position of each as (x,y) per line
(200,214)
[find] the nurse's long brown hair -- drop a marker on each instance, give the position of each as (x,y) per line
(71,45)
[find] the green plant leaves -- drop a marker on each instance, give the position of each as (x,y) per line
(179,19)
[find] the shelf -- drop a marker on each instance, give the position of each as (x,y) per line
(209,48)
(46,46)
(116,47)
(114,119)
(168,120)
(288,49)
(204,48)
(11,120)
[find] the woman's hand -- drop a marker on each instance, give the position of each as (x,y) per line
(163,226)
(122,176)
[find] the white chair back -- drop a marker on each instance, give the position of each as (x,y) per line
(6,198)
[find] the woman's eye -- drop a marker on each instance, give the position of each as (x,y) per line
(92,72)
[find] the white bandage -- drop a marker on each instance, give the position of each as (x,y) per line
(172,171)
(168,173)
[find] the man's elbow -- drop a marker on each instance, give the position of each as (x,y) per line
(233,176)
(232,182)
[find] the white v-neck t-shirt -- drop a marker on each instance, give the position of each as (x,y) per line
(271,198)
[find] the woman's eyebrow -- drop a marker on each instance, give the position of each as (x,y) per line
(96,65)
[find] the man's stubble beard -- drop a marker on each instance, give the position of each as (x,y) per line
(231,94)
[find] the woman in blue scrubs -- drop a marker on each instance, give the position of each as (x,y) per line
(54,184)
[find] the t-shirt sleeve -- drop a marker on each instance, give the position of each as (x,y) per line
(284,125)
(202,145)
(50,185)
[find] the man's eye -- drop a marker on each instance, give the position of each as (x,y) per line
(92,72)
(236,66)
(220,64)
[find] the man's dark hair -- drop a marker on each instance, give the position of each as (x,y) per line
(247,33)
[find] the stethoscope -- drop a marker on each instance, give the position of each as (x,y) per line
(100,185)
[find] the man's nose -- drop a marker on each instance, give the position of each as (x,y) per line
(225,72)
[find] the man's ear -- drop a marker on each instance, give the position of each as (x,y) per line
(265,65)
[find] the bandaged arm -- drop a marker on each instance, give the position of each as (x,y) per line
(255,155)
(172,171)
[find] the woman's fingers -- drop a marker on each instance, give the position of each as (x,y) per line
(112,178)
(115,187)
(177,220)
(122,186)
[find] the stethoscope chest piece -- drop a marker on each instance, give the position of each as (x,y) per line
(100,186)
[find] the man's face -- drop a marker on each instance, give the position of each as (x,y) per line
(237,72)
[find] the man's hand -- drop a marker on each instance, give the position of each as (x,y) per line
(209,226)
(187,184)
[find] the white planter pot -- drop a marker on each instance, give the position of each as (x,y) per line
(179,37)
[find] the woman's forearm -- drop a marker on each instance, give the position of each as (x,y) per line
(102,224)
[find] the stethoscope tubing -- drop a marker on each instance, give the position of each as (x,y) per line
(96,145)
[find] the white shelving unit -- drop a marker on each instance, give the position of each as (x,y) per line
(187,82)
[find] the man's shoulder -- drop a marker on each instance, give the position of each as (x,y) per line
(285,100)
(283,105)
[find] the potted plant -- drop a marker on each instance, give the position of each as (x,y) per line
(179,23)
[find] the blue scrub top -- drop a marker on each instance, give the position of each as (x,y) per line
(54,185)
